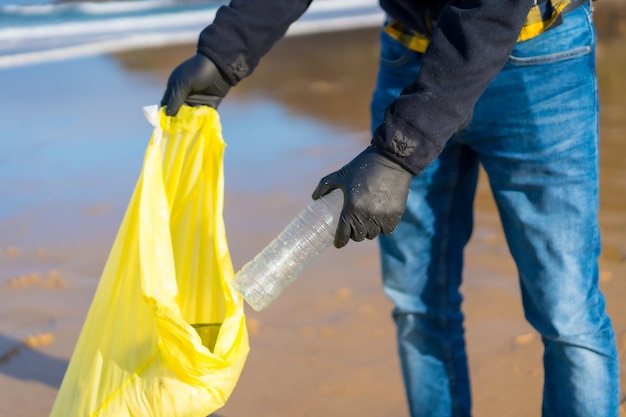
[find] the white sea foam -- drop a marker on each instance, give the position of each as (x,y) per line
(144,24)
(306,27)
(99,8)
(147,40)
(117,25)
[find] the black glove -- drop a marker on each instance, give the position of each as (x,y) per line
(196,82)
(375,191)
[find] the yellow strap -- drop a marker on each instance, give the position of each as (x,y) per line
(414,41)
(534,26)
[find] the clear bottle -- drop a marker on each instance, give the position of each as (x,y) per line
(261,280)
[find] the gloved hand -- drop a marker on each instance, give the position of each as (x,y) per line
(196,82)
(375,192)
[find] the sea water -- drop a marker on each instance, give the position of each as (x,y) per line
(35,32)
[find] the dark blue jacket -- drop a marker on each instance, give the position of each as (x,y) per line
(469,45)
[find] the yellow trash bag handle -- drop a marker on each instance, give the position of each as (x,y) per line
(165,335)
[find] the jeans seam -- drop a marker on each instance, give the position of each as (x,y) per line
(443,285)
(399,61)
(597,240)
(548,59)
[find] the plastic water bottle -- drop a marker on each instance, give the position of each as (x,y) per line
(261,280)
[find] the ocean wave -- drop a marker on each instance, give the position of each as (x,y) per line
(89,8)
(117,25)
(96,28)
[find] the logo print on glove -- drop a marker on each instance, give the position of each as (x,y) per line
(402,145)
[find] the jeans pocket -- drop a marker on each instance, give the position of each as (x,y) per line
(548,58)
(574,37)
(392,52)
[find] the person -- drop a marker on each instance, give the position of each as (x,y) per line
(509,85)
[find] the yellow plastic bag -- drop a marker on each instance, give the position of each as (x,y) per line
(165,334)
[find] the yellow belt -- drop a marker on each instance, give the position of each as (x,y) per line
(534,25)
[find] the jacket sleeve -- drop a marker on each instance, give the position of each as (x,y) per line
(244,31)
(469,46)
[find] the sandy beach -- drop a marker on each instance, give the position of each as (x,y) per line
(73,143)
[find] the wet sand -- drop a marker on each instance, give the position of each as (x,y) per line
(326,347)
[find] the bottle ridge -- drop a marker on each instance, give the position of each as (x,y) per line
(261,280)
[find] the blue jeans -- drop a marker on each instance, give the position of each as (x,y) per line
(535,132)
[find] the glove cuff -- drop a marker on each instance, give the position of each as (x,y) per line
(386,159)
(230,75)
